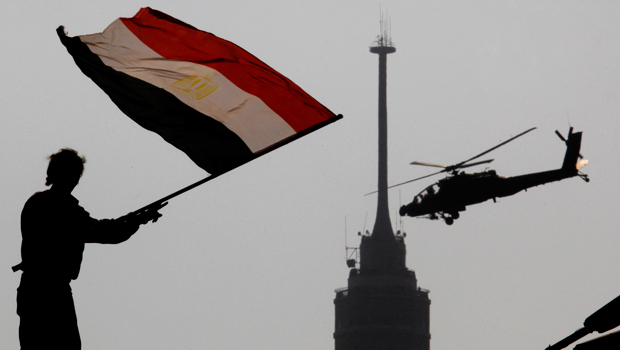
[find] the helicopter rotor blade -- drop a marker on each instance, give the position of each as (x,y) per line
(456,166)
(490,149)
(406,182)
(477,163)
(428,164)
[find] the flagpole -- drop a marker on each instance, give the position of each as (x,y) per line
(181,191)
(158,204)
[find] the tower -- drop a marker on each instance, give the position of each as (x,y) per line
(382,307)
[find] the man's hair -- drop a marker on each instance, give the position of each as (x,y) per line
(64,163)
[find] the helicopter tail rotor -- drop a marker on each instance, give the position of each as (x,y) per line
(573,160)
(560,136)
(570,132)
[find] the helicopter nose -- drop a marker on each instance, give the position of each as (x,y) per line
(403,210)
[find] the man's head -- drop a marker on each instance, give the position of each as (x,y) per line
(65,168)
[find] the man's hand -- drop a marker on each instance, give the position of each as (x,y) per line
(144,216)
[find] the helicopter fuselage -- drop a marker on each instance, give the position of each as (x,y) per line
(453,194)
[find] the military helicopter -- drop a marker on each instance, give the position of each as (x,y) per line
(451,195)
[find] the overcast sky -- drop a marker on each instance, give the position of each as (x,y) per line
(251,260)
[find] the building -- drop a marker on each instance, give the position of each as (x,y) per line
(382,307)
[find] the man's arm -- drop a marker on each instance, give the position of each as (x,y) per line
(121,229)
(108,231)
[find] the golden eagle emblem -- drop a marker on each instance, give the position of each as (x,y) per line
(196,86)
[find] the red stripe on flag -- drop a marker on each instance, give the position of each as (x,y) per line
(173,39)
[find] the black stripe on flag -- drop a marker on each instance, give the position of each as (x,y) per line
(205,140)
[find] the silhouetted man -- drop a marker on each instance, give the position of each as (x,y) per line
(54,230)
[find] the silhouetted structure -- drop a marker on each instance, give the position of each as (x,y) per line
(603,320)
(606,342)
(382,307)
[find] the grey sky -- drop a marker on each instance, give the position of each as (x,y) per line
(251,260)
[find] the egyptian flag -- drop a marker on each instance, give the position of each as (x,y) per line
(206,96)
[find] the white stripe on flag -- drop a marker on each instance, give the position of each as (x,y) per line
(198,86)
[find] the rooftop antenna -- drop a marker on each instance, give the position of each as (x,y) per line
(396,216)
(351,254)
(366,217)
(384,39)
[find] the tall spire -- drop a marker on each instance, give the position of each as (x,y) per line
(383,46)
(381,251)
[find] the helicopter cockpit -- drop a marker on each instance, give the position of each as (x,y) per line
(427,194)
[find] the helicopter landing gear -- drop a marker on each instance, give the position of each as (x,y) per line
(450,217)
(584,177)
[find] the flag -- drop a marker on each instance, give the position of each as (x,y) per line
(208,97)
